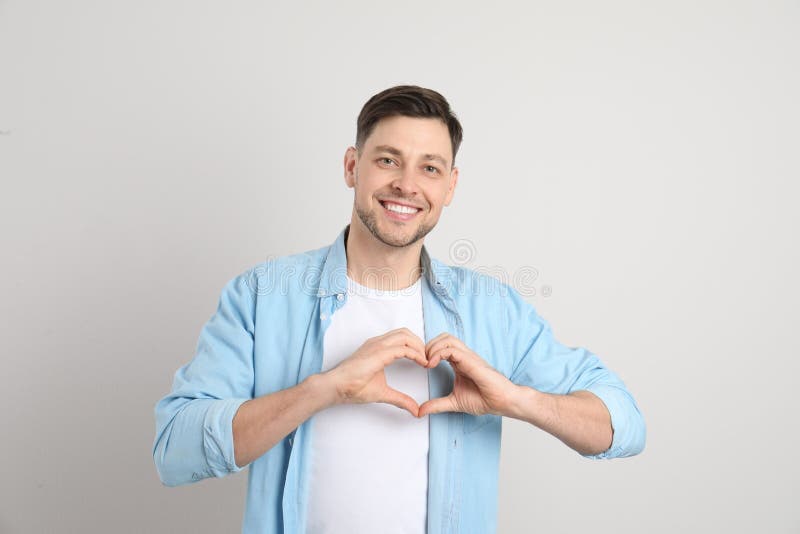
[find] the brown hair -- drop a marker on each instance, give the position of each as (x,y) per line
(408,101)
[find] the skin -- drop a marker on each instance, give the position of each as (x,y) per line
(409,160)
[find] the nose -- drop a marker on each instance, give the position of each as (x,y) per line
(405,182)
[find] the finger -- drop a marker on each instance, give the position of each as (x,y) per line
(414,341)
(435,340)
(444,342)
(390,354)
(435,359)
(439,405)
(401,400)
(404,336)
(464,361)
(395,336)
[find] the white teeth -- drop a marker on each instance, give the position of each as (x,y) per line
(400,209)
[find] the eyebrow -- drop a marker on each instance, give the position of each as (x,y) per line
(396,152)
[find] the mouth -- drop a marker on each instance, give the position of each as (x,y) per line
(399,212)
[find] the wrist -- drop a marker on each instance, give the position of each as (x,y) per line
(525,403)
(322,386)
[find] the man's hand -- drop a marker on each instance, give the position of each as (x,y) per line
(479,389)
(360,378)
(262,422)
(579,419)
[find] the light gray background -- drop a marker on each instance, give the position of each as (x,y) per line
(642,156)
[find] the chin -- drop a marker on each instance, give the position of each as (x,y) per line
(392,234)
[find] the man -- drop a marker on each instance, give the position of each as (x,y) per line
(365,382)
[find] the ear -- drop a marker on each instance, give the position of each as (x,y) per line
(452,189)
(350,162)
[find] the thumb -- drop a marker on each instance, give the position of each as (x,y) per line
(401,400)
(441,404)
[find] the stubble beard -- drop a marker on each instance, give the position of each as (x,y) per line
(370,220)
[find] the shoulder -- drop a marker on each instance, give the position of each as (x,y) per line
(490,289)
(293,270)
(464,283)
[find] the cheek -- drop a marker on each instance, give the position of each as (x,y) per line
(438,199)
(367,200)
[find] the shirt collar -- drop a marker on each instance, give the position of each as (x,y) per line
(333,278)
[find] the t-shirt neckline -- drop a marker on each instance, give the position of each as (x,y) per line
(354,288)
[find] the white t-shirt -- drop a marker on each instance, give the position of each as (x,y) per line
(369,462)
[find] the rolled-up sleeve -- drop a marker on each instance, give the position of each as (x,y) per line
(541,362)
(194,422)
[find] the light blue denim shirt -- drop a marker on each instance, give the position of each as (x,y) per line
(266,335)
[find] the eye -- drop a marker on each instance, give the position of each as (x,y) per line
(386,161)
(431,169)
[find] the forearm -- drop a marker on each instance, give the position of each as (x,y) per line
(579,419)
(261,423)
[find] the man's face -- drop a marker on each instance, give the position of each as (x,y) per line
(403,177)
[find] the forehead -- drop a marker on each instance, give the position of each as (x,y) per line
(412,136)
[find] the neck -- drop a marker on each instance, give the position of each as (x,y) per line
(377,265)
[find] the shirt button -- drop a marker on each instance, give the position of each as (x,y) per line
(323,316)
(339,297)
(291,441)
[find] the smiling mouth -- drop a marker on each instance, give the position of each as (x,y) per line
(399,211)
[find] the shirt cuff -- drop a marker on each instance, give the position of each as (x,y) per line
(627,426)
(218,436)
